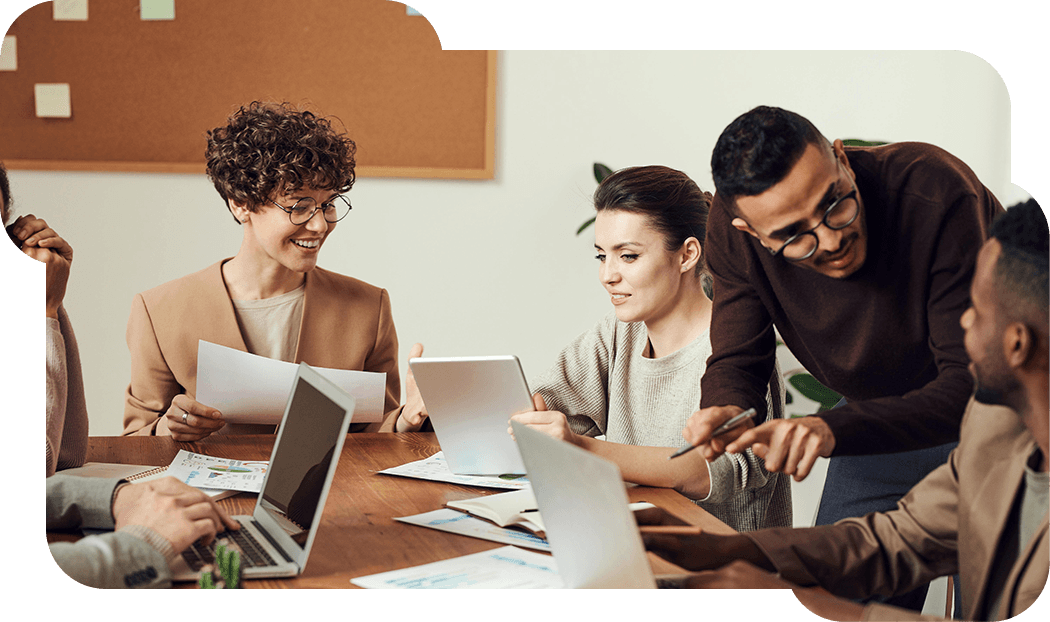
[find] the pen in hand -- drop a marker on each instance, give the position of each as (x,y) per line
(722,429)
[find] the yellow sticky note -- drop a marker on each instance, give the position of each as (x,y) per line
(156,9)
(70,10)
(9,54)
(52,100)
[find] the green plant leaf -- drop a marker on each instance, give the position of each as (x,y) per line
(859,142)
(589,222)
(601,171)
(810,387)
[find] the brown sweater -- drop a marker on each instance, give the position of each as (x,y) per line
(887,337)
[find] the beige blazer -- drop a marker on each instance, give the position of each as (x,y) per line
(346,324)
(950,522)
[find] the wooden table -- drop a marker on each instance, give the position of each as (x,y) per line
(358,535)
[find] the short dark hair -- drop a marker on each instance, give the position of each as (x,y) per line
(674,204)
(267,148)
(5,189)
(758,149)
(1022,274)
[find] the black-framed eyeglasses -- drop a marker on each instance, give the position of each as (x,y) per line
(839,215)
(333,210)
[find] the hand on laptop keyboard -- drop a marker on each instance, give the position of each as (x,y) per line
(179,513)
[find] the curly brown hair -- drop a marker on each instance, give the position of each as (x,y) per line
(267,148)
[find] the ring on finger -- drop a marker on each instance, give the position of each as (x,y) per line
(185,416)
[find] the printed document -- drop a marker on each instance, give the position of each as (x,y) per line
(464,524)
(436,469)
(247,388)
(504,568)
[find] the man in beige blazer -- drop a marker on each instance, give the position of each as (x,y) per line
(982,515)
(283,174)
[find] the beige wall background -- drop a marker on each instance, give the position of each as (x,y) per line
(493,267)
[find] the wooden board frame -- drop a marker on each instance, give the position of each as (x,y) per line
(446,99)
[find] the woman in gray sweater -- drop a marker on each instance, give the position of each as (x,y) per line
(635,376)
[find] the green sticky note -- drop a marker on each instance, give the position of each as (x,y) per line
(156,9)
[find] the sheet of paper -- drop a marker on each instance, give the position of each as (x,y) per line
(69,10)
(52,100)
(9,54)
(503,568)
(254,389)
(436,469)
(202,471)
(156,9)
(450,520)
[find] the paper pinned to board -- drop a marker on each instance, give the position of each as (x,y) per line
(9,54)
(247,388)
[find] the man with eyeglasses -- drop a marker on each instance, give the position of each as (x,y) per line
(862,259)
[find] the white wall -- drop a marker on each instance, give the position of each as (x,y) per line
(486,267)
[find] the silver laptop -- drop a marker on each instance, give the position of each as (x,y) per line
(469,401)
(583,501)
(275,540)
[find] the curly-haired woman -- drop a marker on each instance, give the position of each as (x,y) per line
(282,173)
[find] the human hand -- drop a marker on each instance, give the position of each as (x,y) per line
(189,420)
(42,243)
(689,547)
(414,412)
(550,422)
(705,421)
(179,513)
(788,445)
(736,575)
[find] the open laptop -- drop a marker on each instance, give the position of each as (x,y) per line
(469,401)
(275,540)
(583,501)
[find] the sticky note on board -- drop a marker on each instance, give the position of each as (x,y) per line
(52,100)
(9,54)
(156,9)
(69,10)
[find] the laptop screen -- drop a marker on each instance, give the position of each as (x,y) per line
(299,467)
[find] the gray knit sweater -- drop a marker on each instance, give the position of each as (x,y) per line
(604,385)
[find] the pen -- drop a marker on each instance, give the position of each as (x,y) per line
(722,429)
(674,530)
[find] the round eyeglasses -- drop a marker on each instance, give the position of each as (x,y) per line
(839,215)
(333,210)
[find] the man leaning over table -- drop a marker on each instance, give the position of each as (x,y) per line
(862,258)
(983,514)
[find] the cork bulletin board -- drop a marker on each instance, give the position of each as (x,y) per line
(143,93)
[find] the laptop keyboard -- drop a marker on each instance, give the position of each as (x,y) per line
(252,555)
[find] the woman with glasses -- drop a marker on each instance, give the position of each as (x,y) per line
(635,377)
(283,174)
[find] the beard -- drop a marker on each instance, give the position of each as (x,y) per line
(994,389)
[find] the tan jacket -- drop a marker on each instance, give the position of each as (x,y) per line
(346,324)
(950,522)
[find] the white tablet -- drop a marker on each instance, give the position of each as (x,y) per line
(470,401)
